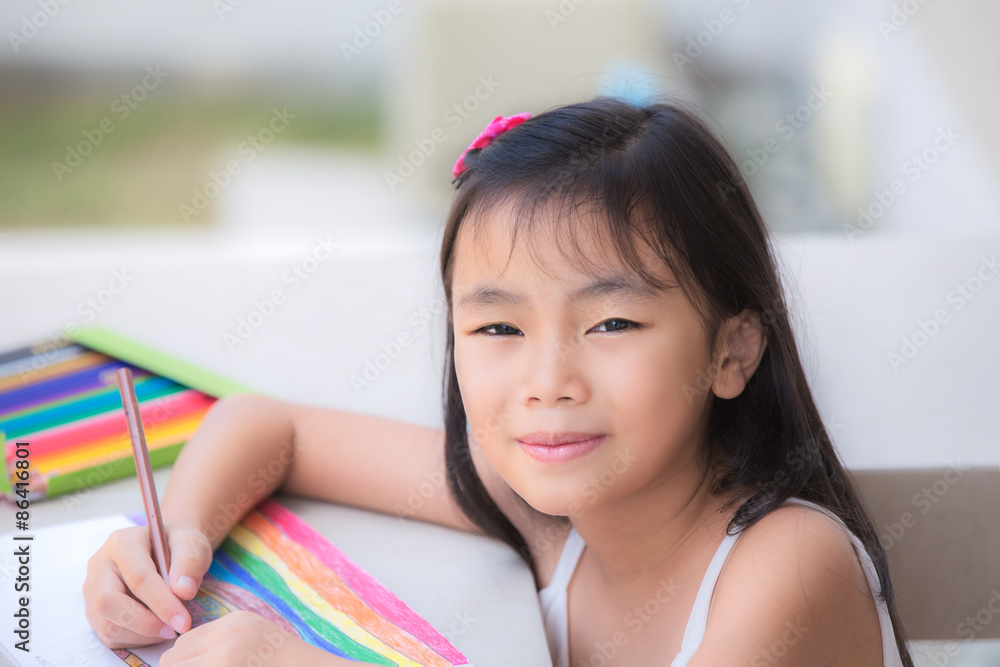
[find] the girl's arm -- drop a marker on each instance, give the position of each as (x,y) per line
(250,446)
(246,448)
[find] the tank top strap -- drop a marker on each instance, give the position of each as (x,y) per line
(553,599)
(698,620)
(570,556)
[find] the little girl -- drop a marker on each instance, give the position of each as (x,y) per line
(625,407)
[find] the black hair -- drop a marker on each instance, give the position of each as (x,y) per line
(658,173)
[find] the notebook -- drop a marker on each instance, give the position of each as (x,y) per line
(272,563)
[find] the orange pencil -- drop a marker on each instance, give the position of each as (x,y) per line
(153,518)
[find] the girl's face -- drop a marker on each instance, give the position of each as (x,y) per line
(549,349)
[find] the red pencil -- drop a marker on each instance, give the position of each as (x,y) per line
(153,518)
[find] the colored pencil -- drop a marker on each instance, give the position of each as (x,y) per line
(149,500)
(62,397)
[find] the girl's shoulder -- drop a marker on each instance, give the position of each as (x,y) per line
(793,585)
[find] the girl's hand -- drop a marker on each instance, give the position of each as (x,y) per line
(244,638)
(127,602)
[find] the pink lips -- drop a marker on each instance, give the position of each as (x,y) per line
(560,446)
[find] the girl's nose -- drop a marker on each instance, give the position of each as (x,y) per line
(552,372)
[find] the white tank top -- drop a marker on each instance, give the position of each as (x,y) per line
(553,598)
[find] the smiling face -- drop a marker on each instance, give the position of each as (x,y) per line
(541,346)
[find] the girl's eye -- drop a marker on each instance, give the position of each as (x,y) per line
(496,326)
(615,324)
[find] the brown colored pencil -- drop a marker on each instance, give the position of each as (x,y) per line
(154,519)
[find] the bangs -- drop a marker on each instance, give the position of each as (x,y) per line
(639,182)
(594,215)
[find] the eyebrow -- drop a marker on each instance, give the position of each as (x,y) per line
(617,285)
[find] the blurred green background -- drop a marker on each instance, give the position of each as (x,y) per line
(156,155)
(368,86)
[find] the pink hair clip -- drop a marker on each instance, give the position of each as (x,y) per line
(497,126)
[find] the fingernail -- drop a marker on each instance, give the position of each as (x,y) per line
(177,623)
(187,583)
(167,633)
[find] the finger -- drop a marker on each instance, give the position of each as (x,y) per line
(190,558)
(194,645)
(140,576)
(112,613)
(120,621)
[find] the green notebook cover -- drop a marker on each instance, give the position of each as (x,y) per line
(115,345)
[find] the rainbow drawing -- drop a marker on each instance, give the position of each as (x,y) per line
(274,564)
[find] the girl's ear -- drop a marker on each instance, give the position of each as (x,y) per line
(741,343)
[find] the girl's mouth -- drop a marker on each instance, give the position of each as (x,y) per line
(557,448)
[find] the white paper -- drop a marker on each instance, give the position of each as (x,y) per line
(60,636)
